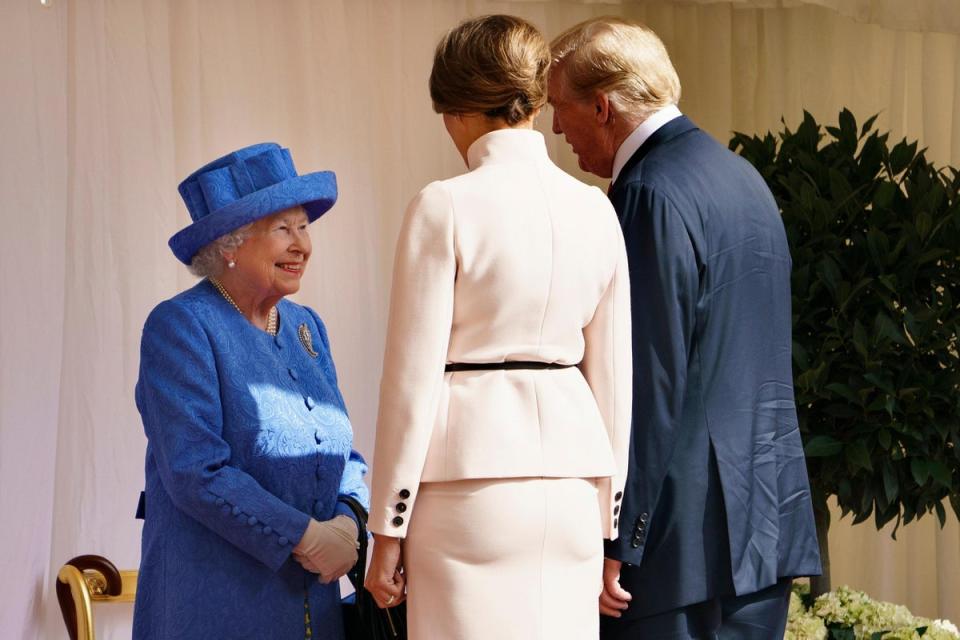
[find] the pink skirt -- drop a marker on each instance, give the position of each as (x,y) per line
(506,558)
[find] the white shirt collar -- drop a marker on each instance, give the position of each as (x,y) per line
(636,139)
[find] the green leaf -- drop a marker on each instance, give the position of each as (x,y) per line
(822,446)
(860,339)
(839,186)
(891,486)
(885,327)
(800,356)
(923,224)
(844,391)
(879,246)
(840,633)
(848,127)
(901,155)
(883,196)
(829,274)
(884,439)
(858,455)
(868,124)
(920,470)
(932,255)
(940,474)
(941,514)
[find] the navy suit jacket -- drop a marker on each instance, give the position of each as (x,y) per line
(717,500)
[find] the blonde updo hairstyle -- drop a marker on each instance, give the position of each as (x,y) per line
(493,65)
(622,59)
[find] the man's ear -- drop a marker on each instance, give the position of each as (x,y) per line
(601,108)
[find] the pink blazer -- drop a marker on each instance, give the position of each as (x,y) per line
(514,260)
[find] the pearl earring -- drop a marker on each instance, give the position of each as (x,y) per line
(231,264)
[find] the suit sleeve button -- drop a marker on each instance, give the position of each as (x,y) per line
(252,520)
(615,522)
(220,502)
(267,530)
(404,493)
(282,540)
(236,511)
(618,496)
(616,510)
(397,521)
(401,507)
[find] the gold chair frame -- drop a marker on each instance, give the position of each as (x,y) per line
(87,579)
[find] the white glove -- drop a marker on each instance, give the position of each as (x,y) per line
(328,548)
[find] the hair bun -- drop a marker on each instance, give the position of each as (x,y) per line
(495,65)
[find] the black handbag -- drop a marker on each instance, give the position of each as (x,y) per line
(362,618)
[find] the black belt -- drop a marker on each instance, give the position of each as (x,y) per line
(513,364)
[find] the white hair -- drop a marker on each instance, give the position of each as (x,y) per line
(208,262)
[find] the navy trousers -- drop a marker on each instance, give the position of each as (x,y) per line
(755,616)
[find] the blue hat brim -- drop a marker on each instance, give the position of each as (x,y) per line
(315,192)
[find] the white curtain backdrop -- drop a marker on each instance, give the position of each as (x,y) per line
(106,105)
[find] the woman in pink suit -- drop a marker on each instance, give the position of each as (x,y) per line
(505,401)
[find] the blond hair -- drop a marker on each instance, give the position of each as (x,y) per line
(625,60)
(495,65)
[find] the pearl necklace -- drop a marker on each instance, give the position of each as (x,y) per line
(271,317)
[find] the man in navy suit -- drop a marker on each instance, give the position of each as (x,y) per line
(716,517)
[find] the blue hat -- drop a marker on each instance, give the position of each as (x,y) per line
(244,186)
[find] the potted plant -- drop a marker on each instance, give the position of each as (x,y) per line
(874,233)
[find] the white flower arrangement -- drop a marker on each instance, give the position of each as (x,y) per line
(848,614)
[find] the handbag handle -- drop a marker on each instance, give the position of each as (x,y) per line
(359,570)
(356,575)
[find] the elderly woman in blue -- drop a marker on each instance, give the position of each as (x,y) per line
(249,448)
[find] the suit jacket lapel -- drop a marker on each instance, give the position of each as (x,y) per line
(677,126)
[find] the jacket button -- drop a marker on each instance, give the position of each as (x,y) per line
(643,517)
(618,496)
(615,522)
(616,510)
(282,540)
(635,544)
(220,502)
(236,511)
(404,493)
(293,374)
(252,520)
(401,507)
(397,521)
(267,530)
